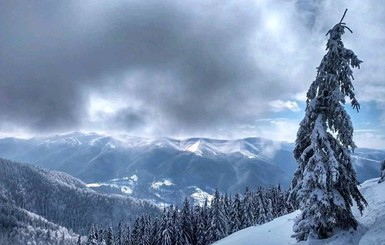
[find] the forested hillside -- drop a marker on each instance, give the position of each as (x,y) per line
(64,200)
(18,226)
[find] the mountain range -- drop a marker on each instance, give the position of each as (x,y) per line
(165,170)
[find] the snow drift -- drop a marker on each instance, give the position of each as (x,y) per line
(370,231)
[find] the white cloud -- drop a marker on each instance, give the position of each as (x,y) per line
(369,139)
(280,105)
(280,129)
(197,69)
(300,96)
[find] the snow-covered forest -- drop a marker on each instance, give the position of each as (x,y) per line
(199,225)
(38,203)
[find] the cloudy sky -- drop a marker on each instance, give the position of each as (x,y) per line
(223,69)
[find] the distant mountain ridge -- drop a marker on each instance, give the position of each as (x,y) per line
(166,170)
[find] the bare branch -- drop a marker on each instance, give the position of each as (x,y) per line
(348,29)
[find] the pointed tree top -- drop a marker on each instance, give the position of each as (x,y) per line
(340,26)
(343,16)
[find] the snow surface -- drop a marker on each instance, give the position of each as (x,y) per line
(201,196)
(126,190)
(158,184)
(133,178)
(94,185)
(194,148)
(125,184)
(371,229)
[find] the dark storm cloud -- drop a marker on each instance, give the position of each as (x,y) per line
(53,54)
(309,10)
(165,67)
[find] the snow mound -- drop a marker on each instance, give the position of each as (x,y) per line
(158,184)
(276,232)
(371,229)
(201,196)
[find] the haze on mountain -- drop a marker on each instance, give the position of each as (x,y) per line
(165,170)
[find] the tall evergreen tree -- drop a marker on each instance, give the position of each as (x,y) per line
(127,235)
(196,224)
(154,231)
(165,233)
(136,236)
(110,237)
(218,226)
(382,176)
(119,236)
(203,223)
(248,208)
(145,229)
(263,207)
(79,242)
(100,234)
(92,237)
(325,184)
(236,215)
(186,222)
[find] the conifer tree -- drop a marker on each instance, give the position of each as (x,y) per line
(119,236)
(175,229)
(154,231)
(136,235)
(382,176)
(262,207)
(79,242)
(203,223)
(186,222)
(100,234)
(325,184)
(196,224)
(144,229)
(109,237)
(236,214)
(248,208)
(92,237)
(227,205)
(127,235)
(218,226)
(165,234)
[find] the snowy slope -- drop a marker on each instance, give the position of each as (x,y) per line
(62,199)
(19,226)
(371,229)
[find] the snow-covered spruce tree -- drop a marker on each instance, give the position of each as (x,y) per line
(110,237)
(325,184)
(218,226)
(382,176)
(236,215)
(186,223)
(92,237)
(248,208)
